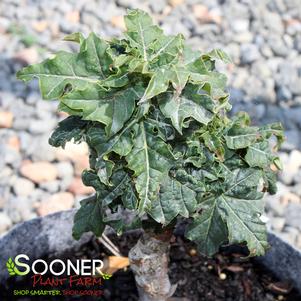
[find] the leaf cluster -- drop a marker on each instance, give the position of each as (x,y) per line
(154,115)
(10,265)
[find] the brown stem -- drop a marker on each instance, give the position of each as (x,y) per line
(149,262)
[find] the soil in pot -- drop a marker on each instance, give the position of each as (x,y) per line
(225,277)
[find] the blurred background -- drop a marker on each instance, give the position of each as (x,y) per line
(262,37)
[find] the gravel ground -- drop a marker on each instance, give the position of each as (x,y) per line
(263,37)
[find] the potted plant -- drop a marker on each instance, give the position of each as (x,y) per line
(162,147)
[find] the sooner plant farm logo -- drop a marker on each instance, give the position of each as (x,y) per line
(12,269)
(70,275)
(84,267)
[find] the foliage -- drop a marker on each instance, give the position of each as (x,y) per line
(153,113)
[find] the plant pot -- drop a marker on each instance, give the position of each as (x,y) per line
(51,236)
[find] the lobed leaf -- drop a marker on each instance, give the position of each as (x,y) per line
(173,199)
(70,128)
(88,218)
(150,159)
(178,108)
(208,229)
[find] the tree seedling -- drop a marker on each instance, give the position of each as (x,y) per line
(162,148)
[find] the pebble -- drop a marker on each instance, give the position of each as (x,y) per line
(39,172)
(78,188)
(292,215)
(57,202)
(278,223)
(118,21)
(5,222)
(284,93)
(42,126)
(28,55)
(23,187)
(240,25)
(46,153)
(273,22)
(292,164)
(19,209)
(72,151)
(249,53)
(64,169)
(6,119)
(51,186)
(175,3)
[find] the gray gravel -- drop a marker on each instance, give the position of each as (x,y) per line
(262,36)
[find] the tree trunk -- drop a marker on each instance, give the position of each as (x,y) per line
(149,263)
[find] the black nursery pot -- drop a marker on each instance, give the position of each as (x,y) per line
(50,237)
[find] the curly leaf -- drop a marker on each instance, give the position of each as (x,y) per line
(238,138)
(174,199)
(179,108)
(68,71)
(208,229)
(88,218)
(259,155)
(107,194)
(129,198)
(111,109)
(141,32)
(275,129)
(70,128)
(218,54)
(245,216)
(121,143)
(151,160)
(235,211)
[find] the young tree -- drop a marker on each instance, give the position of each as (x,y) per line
(153,113)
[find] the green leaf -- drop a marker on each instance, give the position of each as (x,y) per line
(129,198)
(105,170)
(259,155)
(107,194)
(121,143)
(214,144)
(194,179)
(270,181)
(70,128)
(275,129)
(113,110)
(158,84)
(67,71)
(208,229)
(212,81)
(238,138)
(141,32)
(245,216)
(174,199)
(88,218)
(218,54)
(150,159)
(165,49)
(239,205)
(180,107)
(122,224)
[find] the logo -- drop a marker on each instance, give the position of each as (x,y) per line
(13,270)
(57,267)
(79,277)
